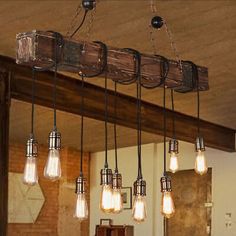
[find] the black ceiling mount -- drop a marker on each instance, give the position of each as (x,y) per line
(157,22)
(88,4)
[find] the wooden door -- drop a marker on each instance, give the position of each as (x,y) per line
(192,196)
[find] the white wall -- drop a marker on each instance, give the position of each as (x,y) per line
(223,186)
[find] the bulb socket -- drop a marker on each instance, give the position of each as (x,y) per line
(116,180)
(31,147)
(88,4)
(80,185)
(140,187)
(54,140)
(173,146)
(199,145)
(106,176)
(166,184)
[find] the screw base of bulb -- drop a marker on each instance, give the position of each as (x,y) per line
(80,185)
(140,187)
(200,145)
(173,146)
(166,184)
(106,176)
(117,180)
(31,147)
(54,140)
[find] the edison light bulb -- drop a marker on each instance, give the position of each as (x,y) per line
(106,203)
(30,171)
(139,209)
(167,205)
(174,165)
(52,169)
(81,210)
(200,163)
(117,201)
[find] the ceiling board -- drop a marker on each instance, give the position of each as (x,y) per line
(204,32)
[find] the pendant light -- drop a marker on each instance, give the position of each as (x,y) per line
(52,169)
(139,212)
(81,210)
(173,143)
(117,177)
(30,176)
(167,203)
(200,162)
(106,203)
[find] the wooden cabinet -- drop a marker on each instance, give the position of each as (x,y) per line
(114,230)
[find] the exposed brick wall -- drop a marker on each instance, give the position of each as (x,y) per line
(48,222)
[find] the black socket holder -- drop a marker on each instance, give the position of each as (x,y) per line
(173,146)
(199,145)
(106,176)
(54,140)
(166,184)
(117,180)
(31,148)
(80,185)
(140,187)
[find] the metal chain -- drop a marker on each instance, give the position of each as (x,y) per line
(173,46)
(151,32)
(89,27)
(74,19)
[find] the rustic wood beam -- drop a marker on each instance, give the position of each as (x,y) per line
(37,48)
(4,149)
(69,99)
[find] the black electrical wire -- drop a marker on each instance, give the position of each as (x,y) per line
(82,126)
(164,124)
(106,117)
(115,133)
(173,114)
(81,24)
(198,107)
(55,82)
(33,101)
(139,117)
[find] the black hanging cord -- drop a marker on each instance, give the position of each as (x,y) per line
(164,124)
(82,126)
(55,87)
(173,113)
(33,102)
(81,24)
(198,107)
(115,133)
(106,117)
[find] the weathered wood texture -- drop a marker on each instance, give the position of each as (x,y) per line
(4,131)
(37,48)
(69,95)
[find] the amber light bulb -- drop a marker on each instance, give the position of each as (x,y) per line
(30,176)
(106,198)
(81,209)
(139,212)
(167,203)
(200,163)
(52,169)
(174,163)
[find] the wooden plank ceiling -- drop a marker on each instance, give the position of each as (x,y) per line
(204,32)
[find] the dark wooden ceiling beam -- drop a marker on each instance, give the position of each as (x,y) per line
(37,48)
(69,100)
